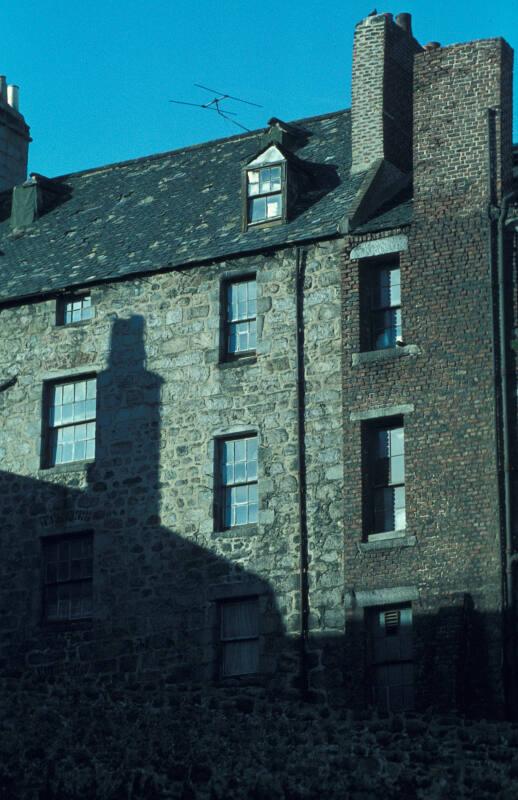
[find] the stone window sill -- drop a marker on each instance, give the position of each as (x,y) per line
(388,354)
(80,323)
(238,531)
(240,361)
(387,541)
(73,466)
(67,624)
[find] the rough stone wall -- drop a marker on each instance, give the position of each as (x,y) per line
(66,742)
(14,148)
(159,564)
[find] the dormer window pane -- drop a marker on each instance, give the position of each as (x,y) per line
(274,206)
(275,178)
(258,209)
(253,182)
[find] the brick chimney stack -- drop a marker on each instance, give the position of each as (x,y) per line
(456,88)
(383,59)
(14,138)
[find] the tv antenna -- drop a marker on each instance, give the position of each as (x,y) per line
(215,104)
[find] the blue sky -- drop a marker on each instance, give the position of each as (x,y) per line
(95,78)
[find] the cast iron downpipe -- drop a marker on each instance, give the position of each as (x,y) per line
(499,213)
(504,390)
(300,259)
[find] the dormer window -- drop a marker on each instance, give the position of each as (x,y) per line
(266,187)
(264,194)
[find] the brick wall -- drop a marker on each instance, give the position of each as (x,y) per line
(382,93)
(452,549)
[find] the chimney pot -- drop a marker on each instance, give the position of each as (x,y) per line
(405,22)
(13,96)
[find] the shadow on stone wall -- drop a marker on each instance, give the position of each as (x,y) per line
(156,592)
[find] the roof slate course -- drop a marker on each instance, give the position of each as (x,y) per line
(177,208)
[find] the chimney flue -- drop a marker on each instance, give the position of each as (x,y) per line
(405,22)
(13,96)
(382,87)
(14,133)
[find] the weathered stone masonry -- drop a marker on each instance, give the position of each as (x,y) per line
(149,496)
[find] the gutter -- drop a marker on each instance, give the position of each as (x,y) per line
(300,256)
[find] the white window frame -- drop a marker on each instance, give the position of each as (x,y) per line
(64,429)
(229,491)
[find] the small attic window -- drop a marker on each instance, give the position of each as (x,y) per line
(266,187)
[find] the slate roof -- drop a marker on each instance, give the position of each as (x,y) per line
(176,208)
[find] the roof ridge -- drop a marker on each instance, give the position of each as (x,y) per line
(187,148)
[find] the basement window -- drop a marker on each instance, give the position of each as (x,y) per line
(239,637)
(67,577)
(391,665)
(74,308)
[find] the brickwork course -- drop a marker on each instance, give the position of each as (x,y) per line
(419,174)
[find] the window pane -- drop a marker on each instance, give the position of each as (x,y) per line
(240,658)
(239,619)
(258,209)
(386,288)
(275,178)
(67,434)
(386,328)
(67,453)
(399,508)
(253,182)
(382,443)
(397,441)
(80,391)
(274,206)
(68,393)
(80,451)
(397,469)
(383,510)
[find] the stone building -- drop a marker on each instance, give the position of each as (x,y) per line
(258,398)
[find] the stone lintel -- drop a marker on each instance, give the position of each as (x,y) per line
(381,597)
(380,247)
(385,411)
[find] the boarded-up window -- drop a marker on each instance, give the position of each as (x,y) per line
(391,658)
(239,637)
